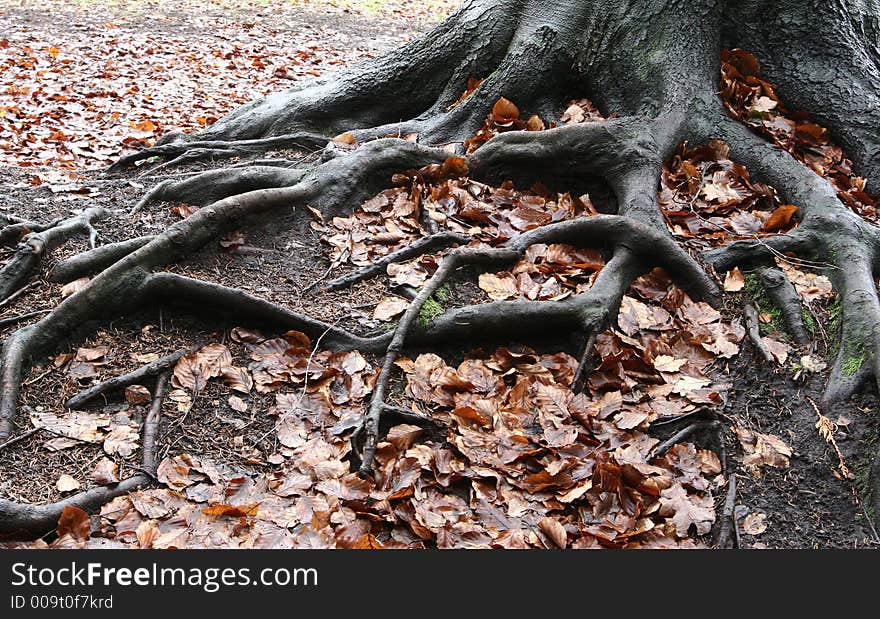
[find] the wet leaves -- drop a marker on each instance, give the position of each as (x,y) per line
(709,199)
(753,100)
(762,450)
(78,97)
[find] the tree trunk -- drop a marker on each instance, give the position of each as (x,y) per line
(652,64)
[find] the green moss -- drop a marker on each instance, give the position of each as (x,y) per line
(862,471)
(835,320)
(436,305)
(756,291)
(443,293)
(810,322)
(430,310)
(856,355)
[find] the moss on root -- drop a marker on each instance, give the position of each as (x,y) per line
(758,294)
(435,306)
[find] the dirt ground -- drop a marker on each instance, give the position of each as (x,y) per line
(806,505)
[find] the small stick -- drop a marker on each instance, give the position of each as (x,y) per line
(16,319)
(16,294)
(420,247)
(728,517)
(679,436)
(120,382)
(19,438)
(579,382)
(754,331)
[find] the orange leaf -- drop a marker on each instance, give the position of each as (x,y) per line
(455,167)
(74,522)
(780,219)
(367,542)
(535,123)
(233,511)
(504,111)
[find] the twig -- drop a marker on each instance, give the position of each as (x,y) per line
(578,382)
(16,294)
(20,438)
(754,331)
(120,382)
(151,426)
(419,247)
(16,319)
(679,436)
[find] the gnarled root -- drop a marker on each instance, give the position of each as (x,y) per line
(19,520)
(847,246)
(37,244)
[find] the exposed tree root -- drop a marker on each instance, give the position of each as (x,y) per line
(662,99)
(95,260)
(785,297)
(13,232)
(180,152)
(753,328)
(148,371)
(19,520)
(36,244)
(587,312)
(834,239)
(422,246)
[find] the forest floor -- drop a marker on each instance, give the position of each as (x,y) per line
(82,82)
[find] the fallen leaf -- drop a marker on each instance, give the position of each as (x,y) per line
(237,404)
(66,483)
(780,219)
(666,363)
(122,440)
(762,450)
(390,307)
(74,286)
(137,394)
(734,281)
(105,472)
(555,531)
(754,523)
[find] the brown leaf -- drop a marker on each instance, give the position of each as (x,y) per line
(687,510)
(734,281)
(74,522)
(762,450)
(500,287)
(455,167)
(404,435)
(237,379)
(390,307)
(74,286)
(105,472)
(504,112)
(193,371)
(780,219)
(122,440)
(778,349)
(754,524)
(346,139)
(367,542)
(232,511)
(237,404)
(66,483)
(91,354)
(137,394)
(555,531)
